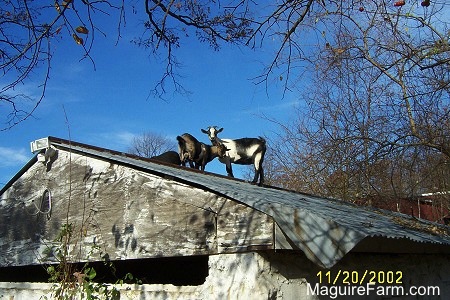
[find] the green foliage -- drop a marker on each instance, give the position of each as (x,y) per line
(129,278)
(71,283)
(80,285)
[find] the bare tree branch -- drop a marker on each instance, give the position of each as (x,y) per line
(151,144)
(26,33)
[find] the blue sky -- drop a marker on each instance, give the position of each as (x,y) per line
(108,106)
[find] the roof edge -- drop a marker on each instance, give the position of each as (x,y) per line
(28,165)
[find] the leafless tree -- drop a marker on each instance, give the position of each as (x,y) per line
(151,144)
(295,29)
(414,37)
(376,119)
(353,138)
(397,50)
(28,30)
(399,53)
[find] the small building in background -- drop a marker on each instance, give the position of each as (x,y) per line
(157,231)
(433,207)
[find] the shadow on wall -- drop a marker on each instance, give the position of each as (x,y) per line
(26,221)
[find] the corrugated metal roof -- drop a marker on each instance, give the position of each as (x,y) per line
(324,229)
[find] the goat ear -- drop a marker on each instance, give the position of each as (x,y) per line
(204,131)
(220,130)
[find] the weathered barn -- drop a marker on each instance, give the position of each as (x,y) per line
(188,234)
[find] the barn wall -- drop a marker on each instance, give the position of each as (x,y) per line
(287,274)
(118,212)
(275,275)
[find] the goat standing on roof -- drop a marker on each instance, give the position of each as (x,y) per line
(196,153)
(244,151)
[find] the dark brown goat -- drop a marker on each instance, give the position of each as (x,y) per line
(170,157)
(197,153)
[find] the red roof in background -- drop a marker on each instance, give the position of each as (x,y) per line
(431,207)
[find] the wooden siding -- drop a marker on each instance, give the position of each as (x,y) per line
(120,213)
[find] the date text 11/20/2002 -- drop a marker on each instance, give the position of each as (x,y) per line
(360,277)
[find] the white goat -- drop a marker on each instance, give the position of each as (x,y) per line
(244,151)
(197,153)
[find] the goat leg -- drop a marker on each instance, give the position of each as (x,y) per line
(229,169)
(255,178)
